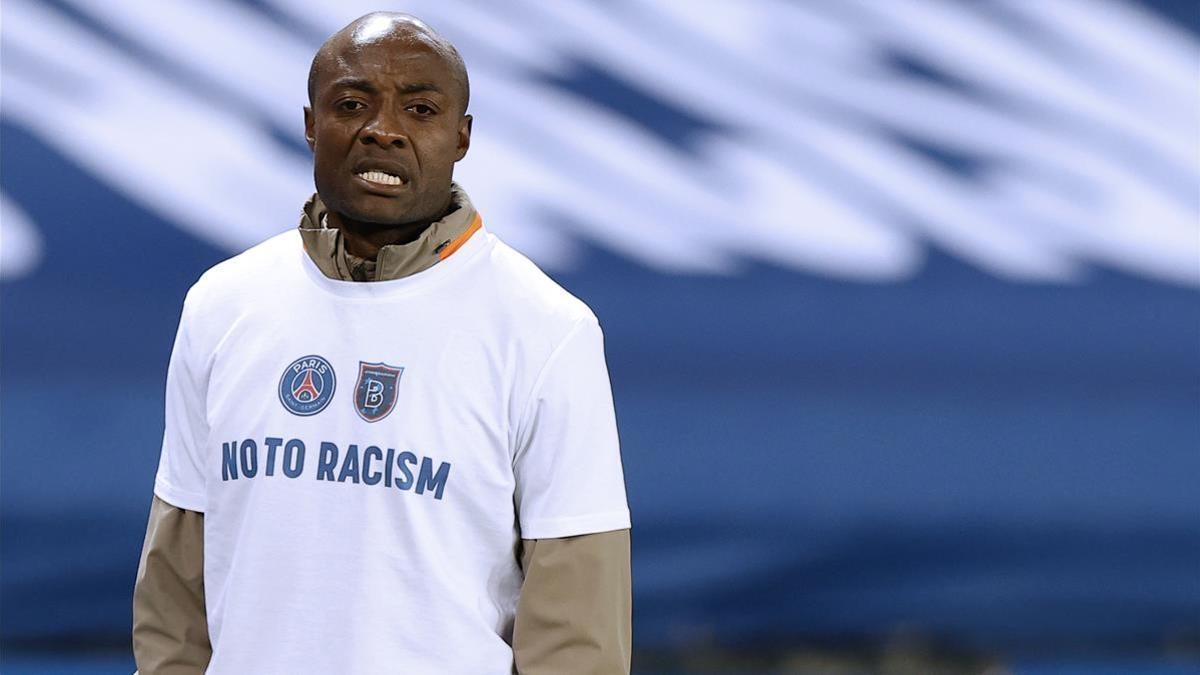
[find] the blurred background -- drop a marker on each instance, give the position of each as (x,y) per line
(902,303)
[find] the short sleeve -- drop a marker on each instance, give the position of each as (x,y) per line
(567,463)
(180,480)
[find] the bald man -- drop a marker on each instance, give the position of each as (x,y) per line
(390,443)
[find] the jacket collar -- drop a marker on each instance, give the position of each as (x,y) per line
(441,239)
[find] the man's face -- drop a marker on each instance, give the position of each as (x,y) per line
(386,127)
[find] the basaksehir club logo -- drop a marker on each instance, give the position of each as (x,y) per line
(307,385)
(375,393)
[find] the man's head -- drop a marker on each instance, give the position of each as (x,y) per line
(386,119)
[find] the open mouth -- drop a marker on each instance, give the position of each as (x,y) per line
(380,178)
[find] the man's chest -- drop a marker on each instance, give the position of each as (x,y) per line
(411,402)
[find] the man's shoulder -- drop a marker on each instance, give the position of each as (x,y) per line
(246,270)
(527,289)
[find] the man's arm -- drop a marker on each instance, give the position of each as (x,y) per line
(574,613)
(170,628)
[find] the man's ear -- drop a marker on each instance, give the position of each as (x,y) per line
(464,137)
(309,134)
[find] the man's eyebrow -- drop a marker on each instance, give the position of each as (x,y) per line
(366,85)
(417,87)
(354,83)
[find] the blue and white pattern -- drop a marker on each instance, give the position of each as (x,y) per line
(1033,140)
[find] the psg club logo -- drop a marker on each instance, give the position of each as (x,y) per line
(307,386)
(375,393)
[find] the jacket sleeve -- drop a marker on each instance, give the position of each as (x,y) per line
(574,612)
(170,628)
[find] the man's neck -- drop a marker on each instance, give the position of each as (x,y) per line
(364,240)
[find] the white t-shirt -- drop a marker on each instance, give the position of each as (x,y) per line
(367,455)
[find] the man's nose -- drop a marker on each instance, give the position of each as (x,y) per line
(384,130)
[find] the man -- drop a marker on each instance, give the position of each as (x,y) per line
(390,443)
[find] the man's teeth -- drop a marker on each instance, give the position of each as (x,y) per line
(380,177)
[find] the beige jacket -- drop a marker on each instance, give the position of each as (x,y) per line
(574,612)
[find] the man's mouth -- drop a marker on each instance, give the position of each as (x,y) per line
(380,178)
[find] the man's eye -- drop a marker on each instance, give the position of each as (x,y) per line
(349,105)
(421,109)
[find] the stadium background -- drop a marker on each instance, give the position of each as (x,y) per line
(900,300)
